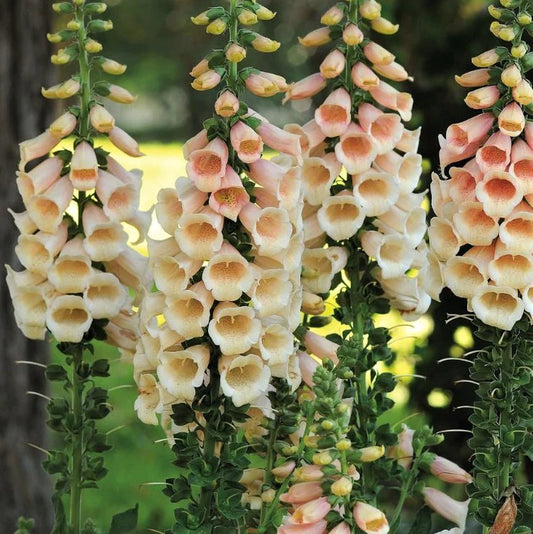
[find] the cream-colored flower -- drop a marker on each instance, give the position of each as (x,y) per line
(68,318)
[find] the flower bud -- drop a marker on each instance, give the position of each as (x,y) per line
(115,93)
(235,53)
(200,68)
(511,120)
(511,76)
(332,16)
(316,37)
(495,12)
(98,26)
(524,18)
(369,519)
(371,454)
(208,80)
(284,470)
(101,120)
(370,9)
(448,471)
(92,46)
(311,441)
(261,85)
(486,59)
(312,304)
(344,445)
(268,496)
(217,27)
(352,35)
(202,19)
(523,93)
(73,25)
(110,66)
(342,487)
(264,44)
(474,78)
(247,17)
(263,13)
(333,64)
(62,90)
(95,8)
(64,56)
(384,26)
(63,7)
(322,458)
(519,51)
(60,37)
(227,104)
(64,125)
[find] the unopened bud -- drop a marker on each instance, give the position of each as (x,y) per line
(268,496)
(342,487)
(235,53)
(344,445)
(263,13)
(201,19)
(64,56)
(511,76)
(495,12)
(317,37)
(322,458)
(110,66)
(352,35)
(60,37)
(95,8)
(370,9)
(217,27)
(264,44)
(73,25)
(524,18)
(62,90)
(247,17)
(311,441)
(289,450)
(63,7)
(99,26)
(486,59)
(371,454)
(332,16)
(206,81)
(328,425)
(200,68)
(519,50)
(92,46)
(384,26)
(78,2)
(523,93)
(101,120)
(227,104)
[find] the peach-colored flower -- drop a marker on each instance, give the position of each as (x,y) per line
(84,167)
(495,154)
(449,471)
(391,98)
(364,77)
(47,209)
(39,178)
(310,512)
(125,142)
(333,64)
(352,35)
(231,197)
(261,85)
(474,78)
(462,134)
(302,492)
(334,115)
(120,199)
(385,128)
(483,98)
(378,55)
(306,88)
(369,519)
(246,142)
(227,104)
(393,71)
(207,166)
(511,120)
(206,81)
(355,151)
(317,37)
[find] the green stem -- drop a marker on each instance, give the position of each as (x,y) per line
(353,13)
(269,463)
(85,76)
(405,491)
(233,69)
(77,443)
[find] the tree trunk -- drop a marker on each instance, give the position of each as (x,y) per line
(24,68)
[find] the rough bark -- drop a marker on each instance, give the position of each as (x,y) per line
(24,67)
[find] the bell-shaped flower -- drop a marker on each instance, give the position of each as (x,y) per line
(38,146)
(276,343)
(131,268)
(319,266)
(445,506)
(341,216)
(199,235)
(462,185)
(499,192)
(409,141)
(319,527)
(403,451)
(474,226)
(227,104)
(47,209)
(172,273)
(321,347)
(188,312)
(310,512)
(392,252)
(516,232)
(84,167)
(124,142)
(181,371)
(369,519)
(72,269)
(243,378)
(271,292)
(474,78)
(146,403)
(104,295)
(511,269)
(306,87)
(246,142)
(23,222)
(335,114)
(314,235)
(498,306)
(407,296)
(445,242)
(39,179)
(119,199)
(449,471)
(412,223)
(462,134)
(228,274)
(101,120)
(196,142)
(318,175)
(37,251)
(391,98)
(231,197)
(393,71)
(308,366)
(234,328)
(483,98)
(207,166)
(376,191)
(333,65)
(377,55)
(522,165)
(206,81)
(364,77)
(356,150)
(386,129)
(464,276)
(68,318)
(104,239)
(270,228)
(495,154)
(511,120)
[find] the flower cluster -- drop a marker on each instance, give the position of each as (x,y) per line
(484,219)
(72,244)
(228,277)
(361,164)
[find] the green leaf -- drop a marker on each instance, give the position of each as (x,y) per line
(125,522)
(422,522)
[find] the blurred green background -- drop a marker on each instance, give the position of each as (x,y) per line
(160,45)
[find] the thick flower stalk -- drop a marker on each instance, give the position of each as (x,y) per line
(364,231)
(79,272)
(219,328)
(481,236)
